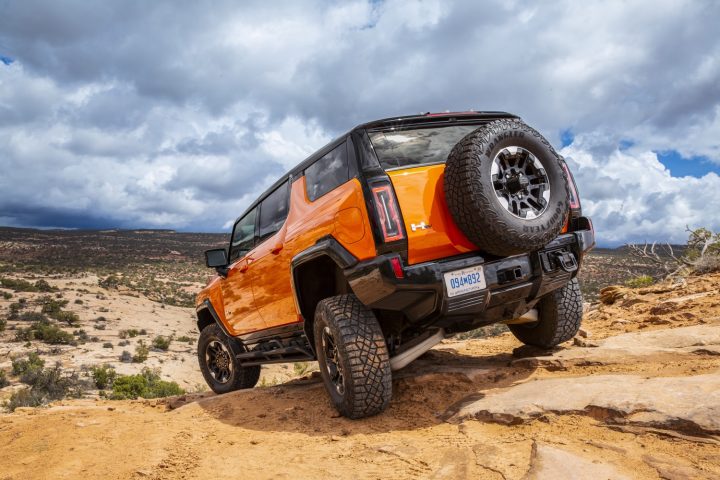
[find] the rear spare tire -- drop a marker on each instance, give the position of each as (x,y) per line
(506,188)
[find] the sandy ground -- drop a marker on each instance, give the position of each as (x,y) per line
(633,396)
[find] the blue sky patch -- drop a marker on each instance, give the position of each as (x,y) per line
(680,166)
(566,137)
(6,60)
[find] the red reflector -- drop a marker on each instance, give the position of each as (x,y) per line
(388,214)
(397,267)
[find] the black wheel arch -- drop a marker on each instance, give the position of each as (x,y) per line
(318,273)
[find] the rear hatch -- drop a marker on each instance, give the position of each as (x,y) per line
(414,158)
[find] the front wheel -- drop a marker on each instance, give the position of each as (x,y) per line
(559,318)
(353,357)
(222,371)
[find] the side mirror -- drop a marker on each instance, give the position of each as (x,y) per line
(216,258)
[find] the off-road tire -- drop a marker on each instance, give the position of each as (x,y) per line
(559,317)
(241,377)
(471,196)
(362,354)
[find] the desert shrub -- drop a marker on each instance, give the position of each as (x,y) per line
(123,343)
(46,332)
(141,352)
(28,368)
(142,332)
(483,332)
(4,382)
(126,357)
(103,376)
(3,324)
(33,317)
(18,285)
(43,286)
(110,282)
(146,385)
(101,319)
(81,335)
(7,295)
(47,385)
(162,343)
(640,281)
(15,310)
(186,339)
(132,333)
(99,326)
(78,301)
(107,345)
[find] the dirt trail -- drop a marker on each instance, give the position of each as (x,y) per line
(634,396)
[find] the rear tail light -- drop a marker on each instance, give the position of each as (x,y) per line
(388,213)
(575,208)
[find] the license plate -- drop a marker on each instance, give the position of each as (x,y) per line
(465,281)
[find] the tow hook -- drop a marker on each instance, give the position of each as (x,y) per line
(565,260)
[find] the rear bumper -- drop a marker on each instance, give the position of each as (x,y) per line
(513,284)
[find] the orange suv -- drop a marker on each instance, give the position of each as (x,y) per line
(388,239)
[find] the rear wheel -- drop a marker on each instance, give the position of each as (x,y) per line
(559,318)
(222,371)
(353,357)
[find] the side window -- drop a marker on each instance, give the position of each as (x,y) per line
(274,211)
(327,173)
(243,239)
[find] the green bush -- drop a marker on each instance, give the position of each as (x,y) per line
(7,295)
(78,301)
(4,382)
(33,317)
(146,385)
(126,357)
(3,324)
(28,368)
(640,281)
(107,345)
(47,385)
(103,376)
(18,285)
(46,332)
(43,286)
(110,282)
(186,339)
(132,333)
(141,352)
(162,343)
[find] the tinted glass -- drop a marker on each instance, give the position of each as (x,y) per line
(243,236)
(274,211)
(327,173)
(406,148)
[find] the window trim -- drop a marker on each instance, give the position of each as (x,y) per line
(347,164)
(255,235)
(258,239)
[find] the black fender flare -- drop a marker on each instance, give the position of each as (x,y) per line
(207,305)
(325,247)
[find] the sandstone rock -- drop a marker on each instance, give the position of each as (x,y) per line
(552,463)
(686,404)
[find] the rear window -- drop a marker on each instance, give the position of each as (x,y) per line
(407,148)
(274,211)
(327,172)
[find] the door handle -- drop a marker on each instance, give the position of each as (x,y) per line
(276,249)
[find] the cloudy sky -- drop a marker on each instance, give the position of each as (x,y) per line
(177,114)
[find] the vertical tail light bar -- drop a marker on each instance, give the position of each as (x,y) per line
(388,213)
(575,208)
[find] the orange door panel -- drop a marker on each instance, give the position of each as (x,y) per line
(270,273)
(240,312)
(421,196)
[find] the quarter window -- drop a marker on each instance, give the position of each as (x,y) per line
(327,173)
(274,211)
(243,239)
